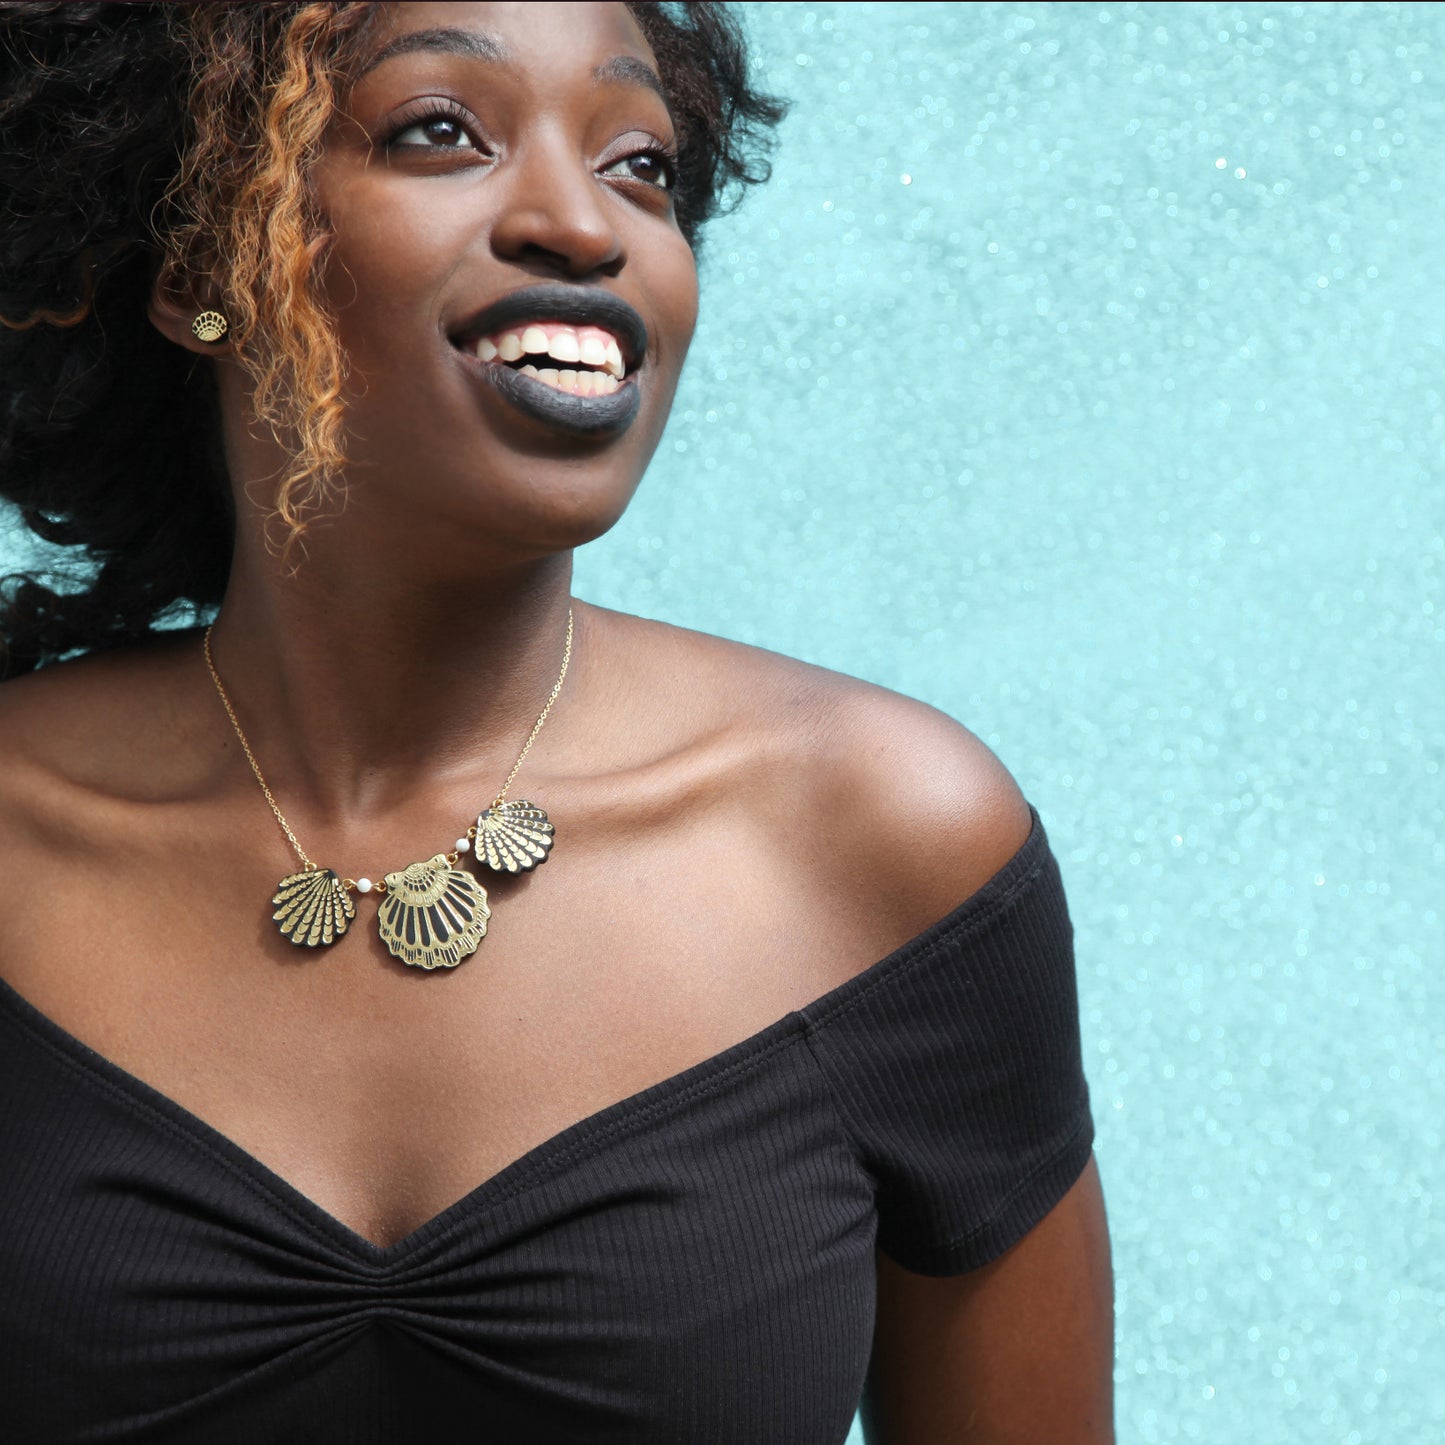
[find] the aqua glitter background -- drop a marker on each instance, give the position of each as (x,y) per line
(1080,372)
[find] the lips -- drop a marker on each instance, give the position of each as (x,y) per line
(568,400)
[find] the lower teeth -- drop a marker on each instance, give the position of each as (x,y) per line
(601,383)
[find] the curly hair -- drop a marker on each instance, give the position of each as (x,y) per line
(163,143)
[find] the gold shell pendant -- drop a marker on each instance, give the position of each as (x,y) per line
(433,915)
(313,909)
(514,837)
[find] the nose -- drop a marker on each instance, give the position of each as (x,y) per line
(555,214)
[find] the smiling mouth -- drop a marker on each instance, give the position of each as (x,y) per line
(567,356)
(578,360)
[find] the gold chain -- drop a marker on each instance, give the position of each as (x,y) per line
(542,717)
(280,817)
(251,757)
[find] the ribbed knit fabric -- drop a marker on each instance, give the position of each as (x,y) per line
(692,1265)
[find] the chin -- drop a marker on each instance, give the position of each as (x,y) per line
(566,527)
(551,514)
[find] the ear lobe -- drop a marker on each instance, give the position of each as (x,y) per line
(173,313)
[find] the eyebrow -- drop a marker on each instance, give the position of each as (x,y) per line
(629,70)
(478,45)
(449,39)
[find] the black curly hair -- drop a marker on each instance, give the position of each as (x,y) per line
(143,138)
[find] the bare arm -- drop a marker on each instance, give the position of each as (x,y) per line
(1019,1352)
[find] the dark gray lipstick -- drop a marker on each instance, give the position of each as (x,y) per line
(589,416)
(585,416)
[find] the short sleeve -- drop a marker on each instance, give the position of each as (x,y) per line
(956,1070)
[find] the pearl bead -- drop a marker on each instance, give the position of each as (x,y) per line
(464,845)
(363,885)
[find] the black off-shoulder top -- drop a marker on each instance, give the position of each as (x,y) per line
(692,1265)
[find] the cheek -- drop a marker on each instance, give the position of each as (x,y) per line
(674,284)
(377,269)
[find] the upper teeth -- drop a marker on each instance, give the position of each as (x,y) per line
(589,345)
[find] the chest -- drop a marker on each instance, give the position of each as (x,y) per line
(382,1093)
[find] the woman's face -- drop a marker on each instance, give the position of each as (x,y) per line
(498,184)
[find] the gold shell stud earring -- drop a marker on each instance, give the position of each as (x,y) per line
(210,326)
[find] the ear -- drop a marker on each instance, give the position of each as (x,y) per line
(172,313)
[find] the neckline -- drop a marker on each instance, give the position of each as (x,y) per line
(569,1144)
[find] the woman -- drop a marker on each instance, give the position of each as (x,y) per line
(434,1008)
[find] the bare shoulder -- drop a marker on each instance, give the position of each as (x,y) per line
(919,812)
(109,726)
(887,806)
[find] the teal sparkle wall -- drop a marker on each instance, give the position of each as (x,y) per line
(1080,372)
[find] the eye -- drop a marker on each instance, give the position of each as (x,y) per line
(440,131)
(655,167)
(443,126)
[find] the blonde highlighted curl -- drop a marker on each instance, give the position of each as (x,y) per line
(240,210)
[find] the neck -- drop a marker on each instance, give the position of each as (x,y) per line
(358,686)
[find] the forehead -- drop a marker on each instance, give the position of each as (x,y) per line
(537,35)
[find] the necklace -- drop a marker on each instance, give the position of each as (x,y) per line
(432,914)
